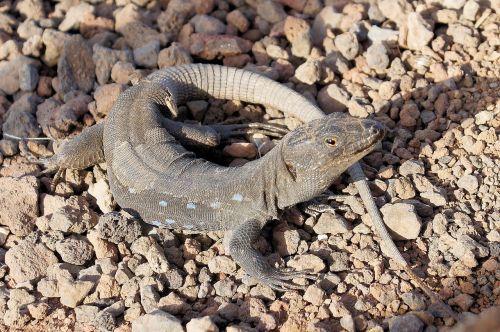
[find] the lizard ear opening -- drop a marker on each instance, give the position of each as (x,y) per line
(291,170)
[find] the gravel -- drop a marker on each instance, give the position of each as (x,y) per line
(428,71)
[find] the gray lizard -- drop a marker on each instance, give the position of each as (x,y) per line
(153,176)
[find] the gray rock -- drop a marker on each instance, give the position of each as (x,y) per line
(75,250)
(28,77)
(329,223)
(203,324)
(75,68)
(9,71)
(309,72)
(28,261)
(376,56)
(75,15)
(271,11)
(406,323)
(414,300)
(147,55)
(157,321)
(104,59)
(378,35)
(348,45)
(411,167)
(402,220)
(208,24)
(333,98)
(328,18)
(149,298)
(173,55)
(116,228)
(468,182)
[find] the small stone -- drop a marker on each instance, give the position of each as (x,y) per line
(137,34)
(75,250)
(298,33)
(225,287)
(241,150)
(19,204)
(414,300)
(147,55)
(309,72)
(468,182)
(73,292)
(76,69)
(4,232)
(307,262)
(157,320)
(173,55)
(209,47)
(452,4)
(348,45)
(314,295)
(75,15)
(104,59)
(28,261)
(406,323)
(333,98)
(101,191)
(203,324)
(149,298)
(411,167)
(471,9)
(329,223)
(197,108)
(286,240)
(9,71)
(483,117)
(327,18)
(380,35)
(347,322)
(121,72)
(464,301)
(222,264)
(105,97)
(207,24)
(237,19)
(116,228)
(54,43)
(419,32)
(387,90)
(271,11)
(402,220)
(74,217)
(28,77)
(376,56)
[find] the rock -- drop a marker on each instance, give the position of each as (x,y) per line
(333,98)
(222,264)
(347,322)
(105,97)
(157,321)
(28,261)
(19,204)
(307,262)
(74,217)
(173,55)
(102,248)
(329,223)
(286,240)
(197,108)
(149,298)
(411,167)
(348,45)
(298,33)
(406,323)
(225,287)
(376,56)
(241,150)
(173,303)
(75,250)
(73,292)
(104,59)
(464,301)
(452,4)
(33,9)
(9,71)
(379,35)
(75,69)
(483,117)
(387,90)
(314,295)
(394,214)
(102,193)
(395,10)
(4,232)
(137,34)
(154,254)
(309,72)
(28,77)
(468,182)
(419,32)
(271,11)
(209,47)
(414,300)
(54,43)
(75,15)
(122,71)
(57,120)
(203,324)
(470,10)
(147,55)
(328,18)
(208,25)
(116,228)
(463,35)
(238,20)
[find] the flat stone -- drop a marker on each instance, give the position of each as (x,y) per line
(28,261)
(157,321)
(402,220)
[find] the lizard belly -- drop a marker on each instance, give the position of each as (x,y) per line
(215,211)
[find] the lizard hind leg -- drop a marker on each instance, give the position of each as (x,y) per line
(254,264)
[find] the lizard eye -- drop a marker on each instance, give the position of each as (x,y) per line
(331,141)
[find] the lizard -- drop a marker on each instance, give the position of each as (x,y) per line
(153,176)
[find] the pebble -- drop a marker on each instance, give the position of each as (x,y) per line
(271,11)
(28,77)
(411,167)
(327,18)
(314,295)
(238,20)
(203,324)
(75,15)
(28,261)
(471,8)
(298,33)
(348,45)
(75,68)
(208,24)
(147,55)
(173,55)
(406,323)
(468,182)
(376,56)
(75,250)
(379,35)
(73,292)
(104,59)
(394,213)
(419,32)
(74,217)
(105,96)
(329,223)
(157,320)
(333,98)
(241,150)
(9,71)
(209,47)
(309,72)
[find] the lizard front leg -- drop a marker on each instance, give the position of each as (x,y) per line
(254,264)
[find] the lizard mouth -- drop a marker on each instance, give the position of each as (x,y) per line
(373,132)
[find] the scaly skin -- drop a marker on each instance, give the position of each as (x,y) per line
(152,175)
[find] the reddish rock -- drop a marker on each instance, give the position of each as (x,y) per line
(105,96)
(209,47)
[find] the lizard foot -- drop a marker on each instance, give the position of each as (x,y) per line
(254,264)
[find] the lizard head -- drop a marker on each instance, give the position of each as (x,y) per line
(316,153)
